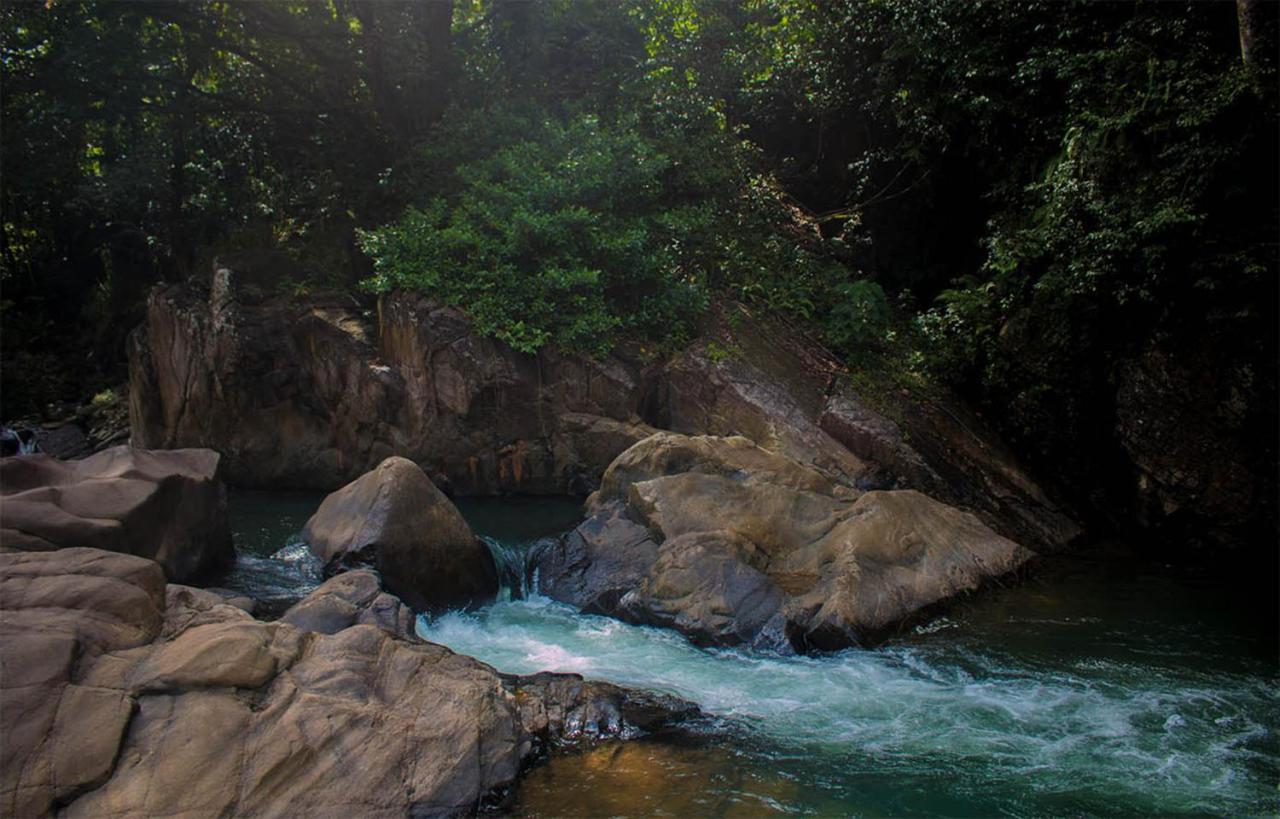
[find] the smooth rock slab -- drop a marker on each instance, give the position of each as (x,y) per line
(168,505)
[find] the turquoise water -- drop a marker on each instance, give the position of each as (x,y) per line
(1105,685)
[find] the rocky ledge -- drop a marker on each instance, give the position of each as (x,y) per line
(123,695)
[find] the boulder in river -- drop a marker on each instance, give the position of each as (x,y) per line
(170,506)
(121,696)
(732,544)
(395,520)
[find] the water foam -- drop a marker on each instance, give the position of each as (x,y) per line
(1078,735)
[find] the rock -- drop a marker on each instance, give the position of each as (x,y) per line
(312,393)
(66,441)
(759,382)
(394,519)
(351,598)
(169,506)
(732,544)
(59,612)
(336,392)
(943,449)
(105,713)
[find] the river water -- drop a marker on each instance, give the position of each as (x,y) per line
(1104,685)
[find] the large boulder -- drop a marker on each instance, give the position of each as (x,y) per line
(733,544)
(120,696)
(170,506)
(395,520)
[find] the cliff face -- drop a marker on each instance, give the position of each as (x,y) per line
(312,392)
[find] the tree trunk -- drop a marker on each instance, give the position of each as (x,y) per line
(1248,23)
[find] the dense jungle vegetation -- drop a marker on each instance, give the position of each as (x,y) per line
(1009,198)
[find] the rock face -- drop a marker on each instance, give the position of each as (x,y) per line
(395,520)
(732,544)
(122,696)
(169,506)
(312,393)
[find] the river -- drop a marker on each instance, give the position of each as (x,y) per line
(1106,684)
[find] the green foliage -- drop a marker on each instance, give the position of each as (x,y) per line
(860,316)
(1148,209)
(567,236)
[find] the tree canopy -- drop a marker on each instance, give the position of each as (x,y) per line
(1008,197)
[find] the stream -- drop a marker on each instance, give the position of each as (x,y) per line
(1103,685)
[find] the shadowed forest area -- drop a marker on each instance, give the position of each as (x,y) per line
(1065,211)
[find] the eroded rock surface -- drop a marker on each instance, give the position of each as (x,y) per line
(169,506)
(732,544)
(395,520)
(121,696)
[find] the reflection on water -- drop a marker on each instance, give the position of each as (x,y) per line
(653,777)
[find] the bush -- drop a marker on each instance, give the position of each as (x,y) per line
(567,236)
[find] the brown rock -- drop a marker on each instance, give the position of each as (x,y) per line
(333,394)
(396,521)
(755,548)
(229,716)
(169,506)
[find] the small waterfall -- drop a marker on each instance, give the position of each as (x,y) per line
(21,441)
(516,564)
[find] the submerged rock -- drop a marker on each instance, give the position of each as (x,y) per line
(169,506)
(732,544)
(394,519)
(123,697)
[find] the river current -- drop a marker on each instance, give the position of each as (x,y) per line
(1103,685)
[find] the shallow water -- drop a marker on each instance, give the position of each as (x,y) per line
(1101,686)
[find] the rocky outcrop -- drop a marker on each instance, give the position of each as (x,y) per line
(121,696)
(733,544)
(316,391)
(395,520)
(169,506)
